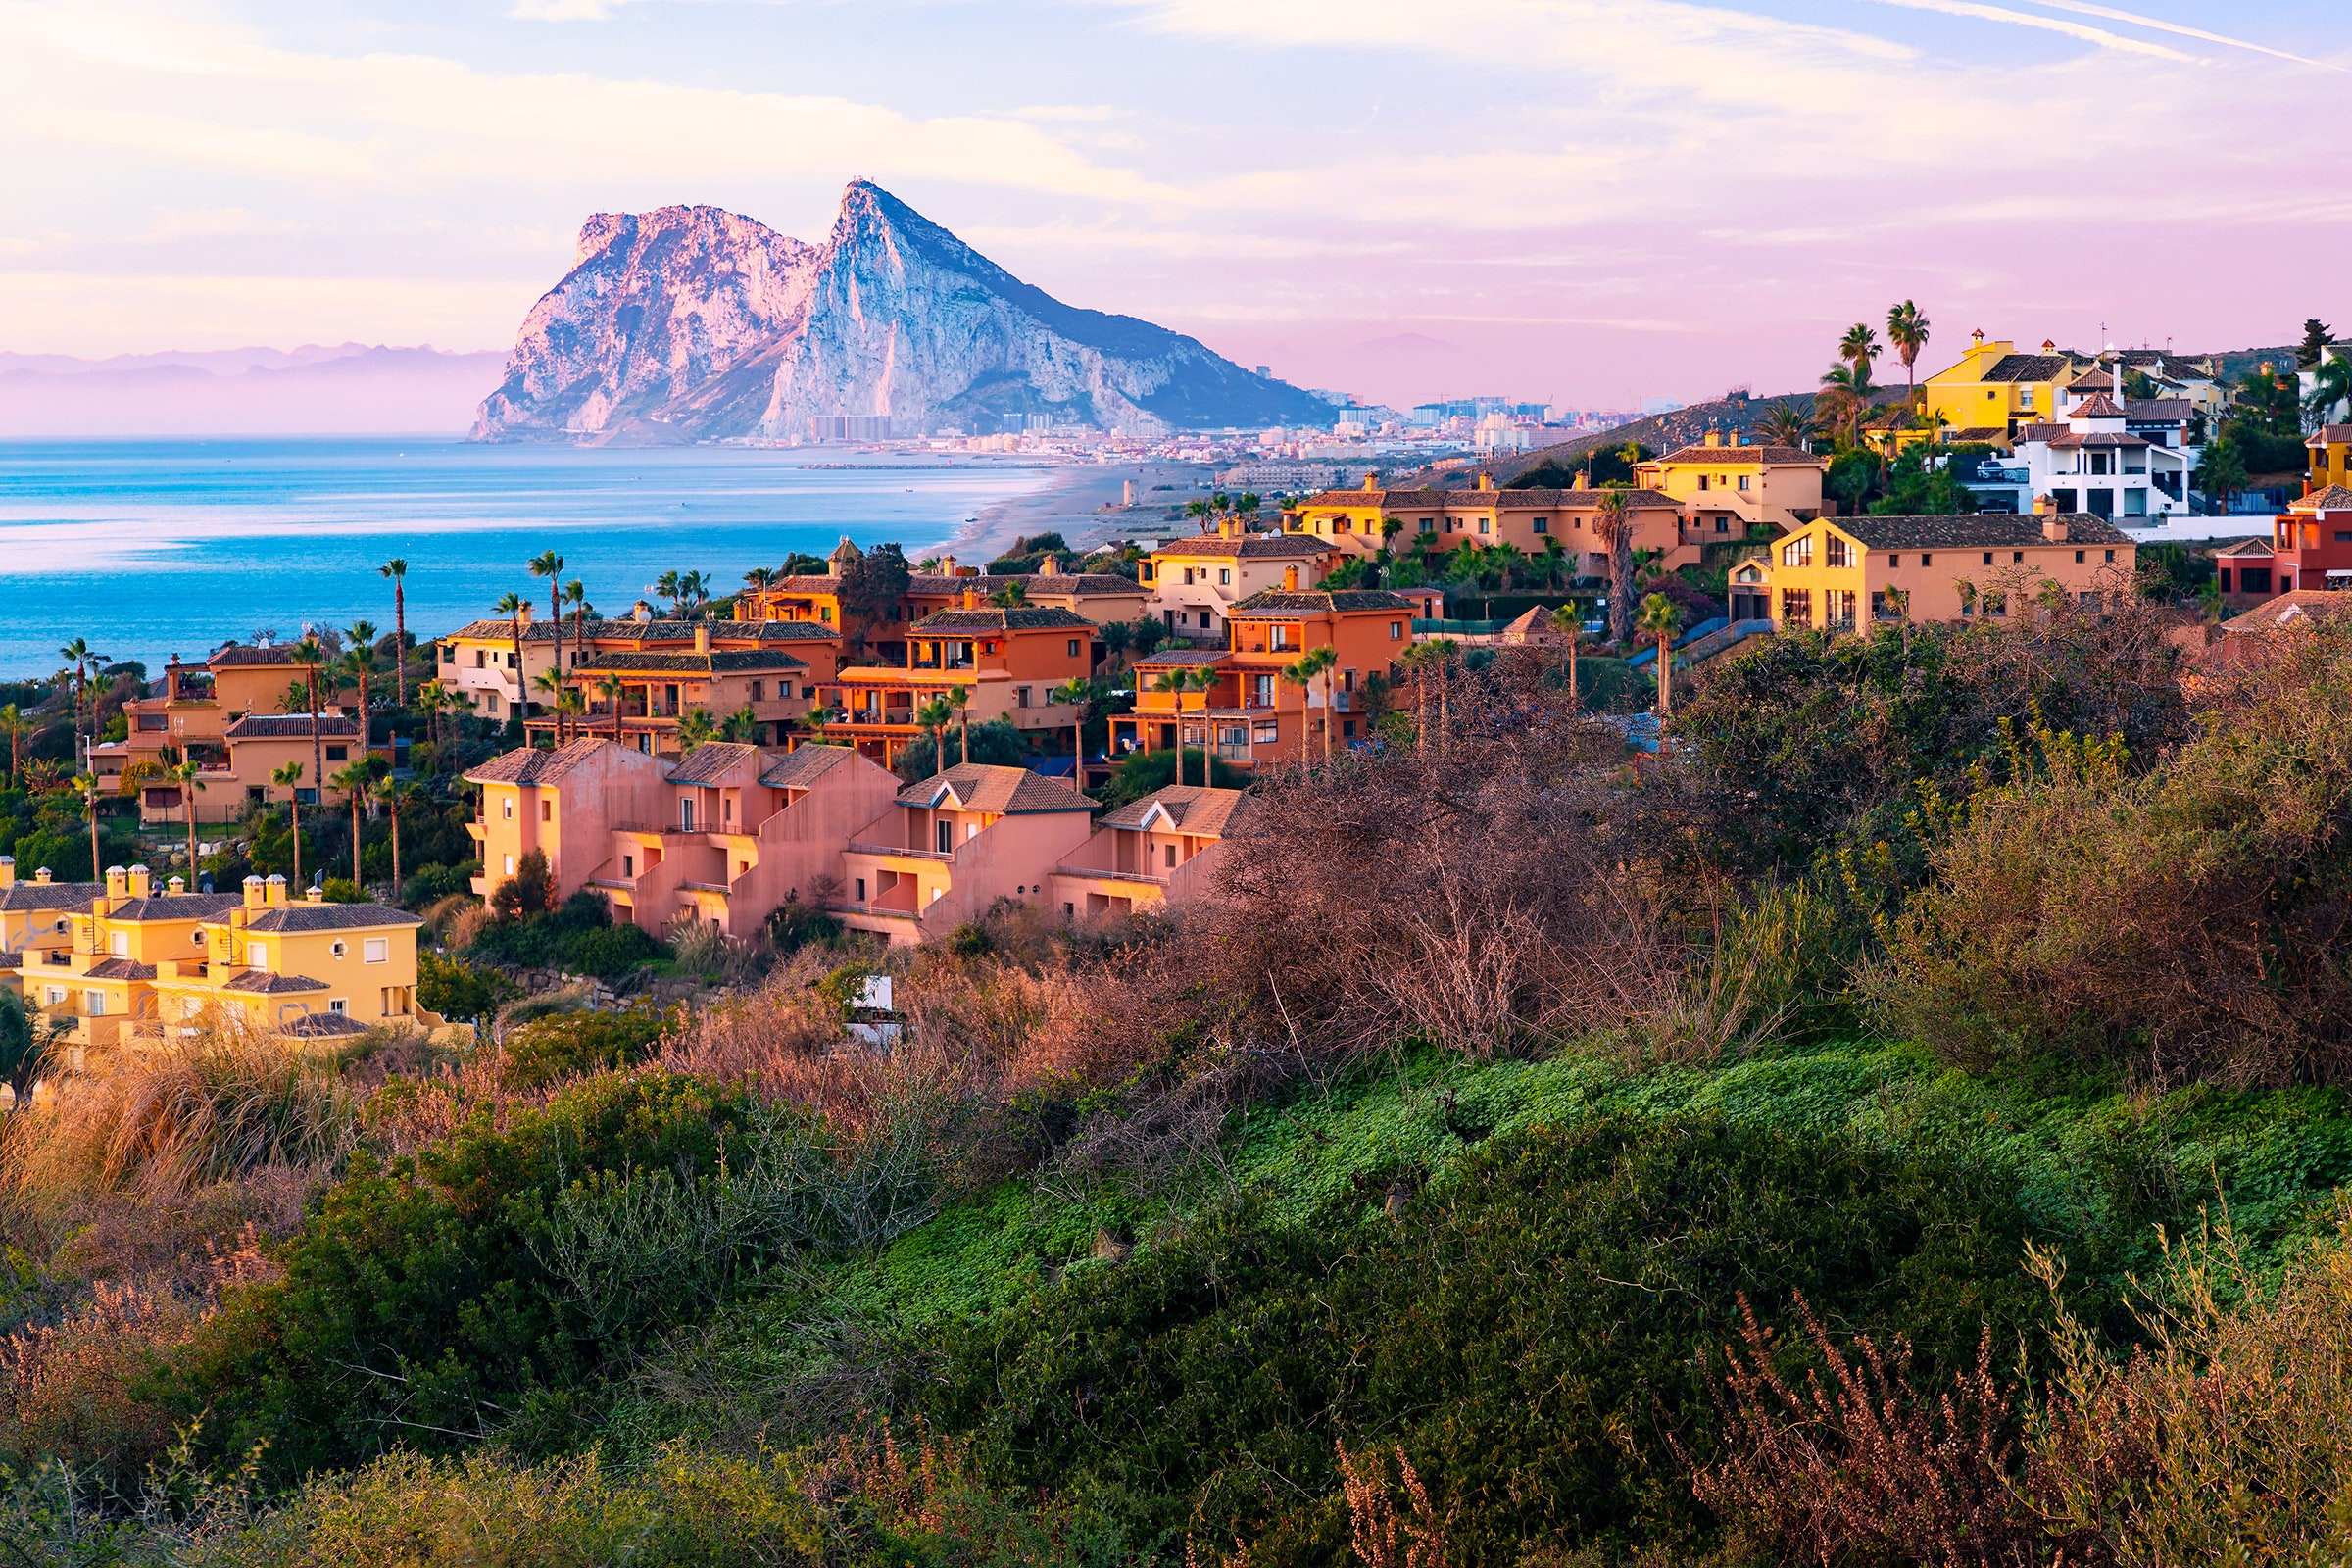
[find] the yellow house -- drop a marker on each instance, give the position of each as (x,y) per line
(1725,478)
(2330,449)
(1851,572)
(143,962)
(1996,387)
(1196,581)
(38,914)
(1555,525)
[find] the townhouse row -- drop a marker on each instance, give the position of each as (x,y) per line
(731,833)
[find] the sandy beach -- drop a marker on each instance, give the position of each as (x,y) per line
(1082,505)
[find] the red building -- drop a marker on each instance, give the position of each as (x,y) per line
(2312,545)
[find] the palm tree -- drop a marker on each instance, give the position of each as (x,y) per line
(511,607)
(1011,596)
(1115,638)
(87,785)
(814,722)
(1613,527)
(740,726)
(1301,674)
(395,794)
(936,715)
(756,582)
(667,587)
(1907,330)
(187,776)
(1420,658)
(360,666)
(311,654)
(1075,691)
(1848,389)
(1786,423)
(354,781)
(551,682)
(398,570)
(697,729)
(1859,347)
(434,699)
(83,659)
(570,706)
(17,725)
(2331,385)
(1662,617)
(1321,662)
(575,594)
(1175,683)
(961,700)
(547,563)
(1200,680)
(289,779)
(1569,621)
(609,688)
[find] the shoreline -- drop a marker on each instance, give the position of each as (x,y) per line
(1073,506)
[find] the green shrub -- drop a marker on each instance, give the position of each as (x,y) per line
(461,991)
(342,890)
(580,937)
(569,1044)
(439,882)
(1528,1332)
(793,925)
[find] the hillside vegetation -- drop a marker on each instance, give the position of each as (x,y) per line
(1903,1123)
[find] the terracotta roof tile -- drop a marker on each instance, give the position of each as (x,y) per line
(1192,809)
(537,765)
(261,982)
(1736,454)
(686,661)
(66,897)
(300,918)
(2028,366)
(992,618)
(1317,601)
(2329,435)
(1252,547)
(239,657)
(182,907)
(2335,497)
(292,727)
(1991,530)
(983,787)
(118,969)
(802,765)
(711,761)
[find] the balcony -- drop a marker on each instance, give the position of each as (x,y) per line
(903,851)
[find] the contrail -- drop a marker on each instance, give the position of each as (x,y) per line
(2112,15)
(2073,30)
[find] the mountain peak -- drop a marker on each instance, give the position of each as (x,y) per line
(691,323)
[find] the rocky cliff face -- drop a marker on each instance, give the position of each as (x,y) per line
(690,323)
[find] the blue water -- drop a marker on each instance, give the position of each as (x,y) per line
(149,548)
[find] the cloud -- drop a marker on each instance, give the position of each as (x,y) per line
(2079,8)
(564,9)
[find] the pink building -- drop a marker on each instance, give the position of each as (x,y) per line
(950,847)
(1149,854)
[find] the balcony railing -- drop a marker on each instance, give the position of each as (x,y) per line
(901,849)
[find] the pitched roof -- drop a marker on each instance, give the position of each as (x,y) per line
(1736,454)
(236,654)
(292,727)
(180,906)
(929,585)
(2335,497)
(803,765)
(1317,601)
(2027,367)
(1571,500)
(1590,500)
(1180,657)
(2168,411)
(2033,431)
(1250,547)
(2099,406)
(262,982)
(2093,381)
(2071,441)
(1990,530)
(2287,609)
(647,631)
(1978,433)
(2329,435)
(2254,545)
(118,969)
(982,787)
(300,918)
(686,661)
(537,765)
(67,897)
(711,760)
(994,617)
(322,1025)
(1191,808)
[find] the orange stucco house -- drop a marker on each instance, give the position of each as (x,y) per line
(950,847)
(1009,660)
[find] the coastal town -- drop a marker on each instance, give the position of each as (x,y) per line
(897,749)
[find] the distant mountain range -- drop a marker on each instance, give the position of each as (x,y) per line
(349,388)
(690,323)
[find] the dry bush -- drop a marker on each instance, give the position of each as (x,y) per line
(159,1118)
(1380,1536)
(2191,919)
(1861,1465)
(1480,889)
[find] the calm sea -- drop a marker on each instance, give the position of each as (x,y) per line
(148,547)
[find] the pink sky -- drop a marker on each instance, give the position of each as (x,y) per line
(1581,201)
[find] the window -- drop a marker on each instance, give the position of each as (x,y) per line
(1268,731)
(1278,636)
(338,1006)
(1395,631)
(1798,552)
(376,950)
(1188,576)
(1927,561)
(97,1003)
(1744,478)
(1837,610)
(338,754)
(1429,525)
(809,692)
(57,996)
(338,947)
(629,865)
(946,838)
(2024,397)
(547,811)
(1171,849)
(2111,556)
(686,814)
(759,690)
(257,956)
(1542,525)
(1797,607)
(1204,620)
(1020,697)
(1224,574)
(2078,556)
(118,943)
(1261,691)
(2088,599)
(1988,558)
(2017,557)
(1702,481)
(1723,526)
(862,889)
(824,613)
(1073,649)
(1840,552)
(1893,562)
(506,809)
(2253,580)
(1485,525)
(510,865)
(1996,604)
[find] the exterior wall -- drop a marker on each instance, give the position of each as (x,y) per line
(1025,661)
(1786,494)
(1125,871)
(1966,399)
(2331,461)
(571,820)
(1007,857)
(1489,517)
(484,669)
(804,838)
(2308,546)
(1942,584)
(1192,593)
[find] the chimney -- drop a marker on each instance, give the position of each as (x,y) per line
(947,565)
(1584,479)
(142,882)
(8,871)
(1051,566)
(641,611)
(1371,482)
(274,891)
(1714,438)
(702,636)
(2045,507)
(1977,338)
(1229,528)
(117,882)
(2054,529)
(253,893)
(175,887)
(41,875)
(525,615)
(971,599)
(1289,579)
(314,893)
